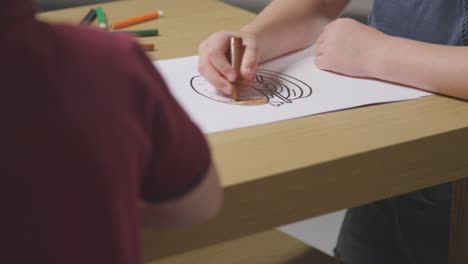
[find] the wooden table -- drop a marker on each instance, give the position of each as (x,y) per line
(279,173)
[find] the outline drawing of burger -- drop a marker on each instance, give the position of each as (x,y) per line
(268,87)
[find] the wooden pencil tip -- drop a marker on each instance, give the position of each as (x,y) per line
(235,92)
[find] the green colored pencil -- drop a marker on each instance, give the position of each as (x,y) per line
(143,32)
(101,18)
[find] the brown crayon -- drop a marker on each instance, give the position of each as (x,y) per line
(236,59)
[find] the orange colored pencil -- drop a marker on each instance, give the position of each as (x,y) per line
(147,46)
(137,19)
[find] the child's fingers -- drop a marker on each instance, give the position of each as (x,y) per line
(250,58)
(213,52)
(210,73)
(222,65)
(214,64)
(319,45)
(320,39)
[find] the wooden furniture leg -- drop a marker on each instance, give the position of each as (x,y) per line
(458,244)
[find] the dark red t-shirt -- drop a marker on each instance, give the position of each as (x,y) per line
(87,129)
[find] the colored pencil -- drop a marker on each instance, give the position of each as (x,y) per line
(137,19)
(148,46)
(90,17)
(101,18)
(142,32)
(236,58)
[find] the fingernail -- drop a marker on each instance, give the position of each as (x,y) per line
(248,74)
(231,76)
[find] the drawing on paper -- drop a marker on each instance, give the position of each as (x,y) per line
(268,87)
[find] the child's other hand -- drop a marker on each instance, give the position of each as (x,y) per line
(349,47)
(213,63)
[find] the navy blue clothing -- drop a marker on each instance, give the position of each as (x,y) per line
(435,21)
(411,228)
(407,229)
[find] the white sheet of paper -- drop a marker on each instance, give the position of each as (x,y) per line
(289,87)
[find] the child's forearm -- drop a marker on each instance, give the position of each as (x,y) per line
(435,68)
(287,25)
